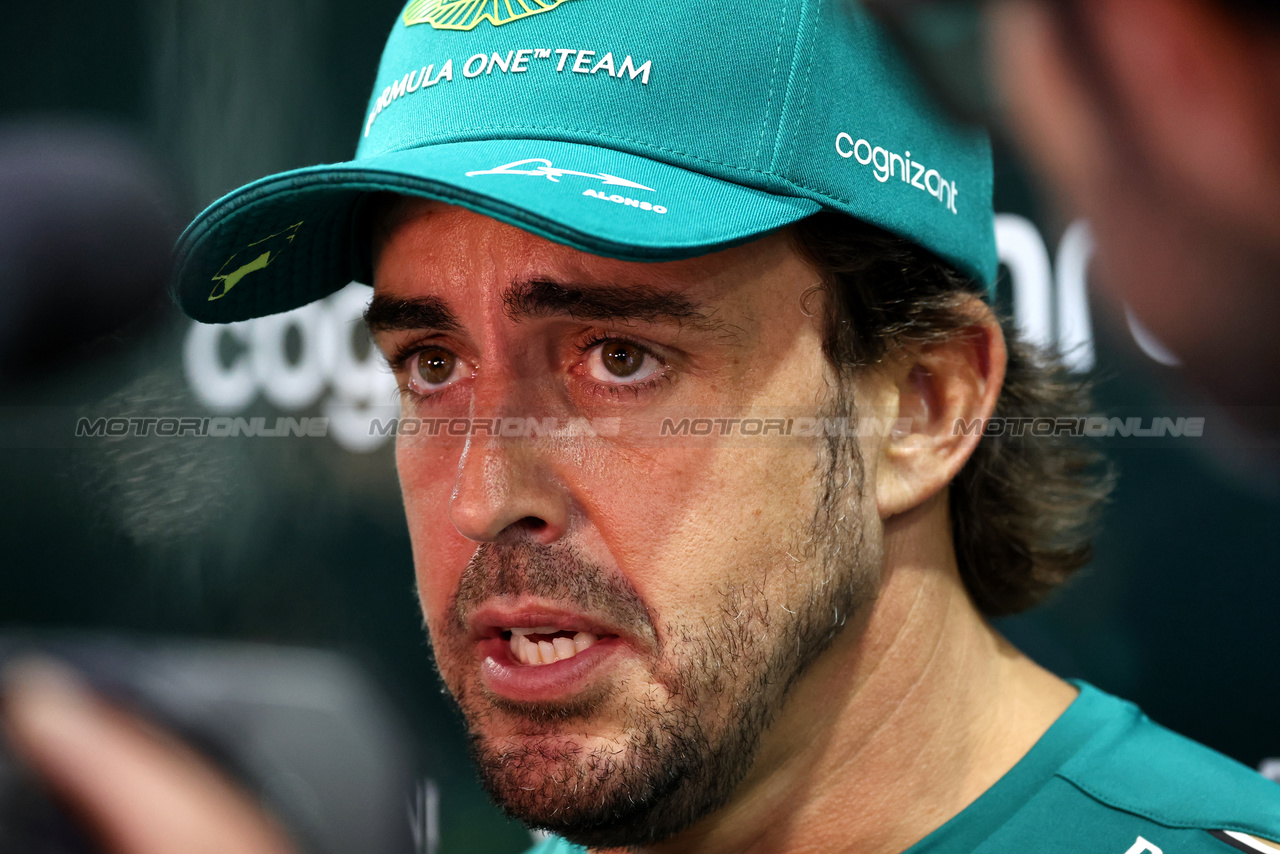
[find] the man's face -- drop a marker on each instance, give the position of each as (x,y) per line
(678,586)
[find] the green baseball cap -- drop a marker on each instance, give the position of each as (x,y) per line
(644,133)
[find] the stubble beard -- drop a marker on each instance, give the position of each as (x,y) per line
(726,681)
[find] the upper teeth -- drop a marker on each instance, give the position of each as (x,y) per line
(547,652)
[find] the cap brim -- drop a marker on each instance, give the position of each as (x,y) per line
(286,240)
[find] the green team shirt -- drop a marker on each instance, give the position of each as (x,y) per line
(1104,779)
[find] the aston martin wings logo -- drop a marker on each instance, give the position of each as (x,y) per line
(467,14)
(254,257)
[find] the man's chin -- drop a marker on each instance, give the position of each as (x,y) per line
(560,782)
(631,788)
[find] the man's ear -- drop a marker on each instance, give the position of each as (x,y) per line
(940,388)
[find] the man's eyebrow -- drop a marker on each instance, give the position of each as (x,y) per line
(394,314)
(543,298)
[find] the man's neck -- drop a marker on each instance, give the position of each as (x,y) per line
(911,715)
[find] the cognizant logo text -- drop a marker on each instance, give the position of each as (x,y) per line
(888,164)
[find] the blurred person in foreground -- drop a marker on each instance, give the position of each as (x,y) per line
(1159,121)
(767,630)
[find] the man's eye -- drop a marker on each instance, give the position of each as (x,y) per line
(617,360)
(431,369)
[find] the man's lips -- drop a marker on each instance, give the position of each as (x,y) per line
(537,651)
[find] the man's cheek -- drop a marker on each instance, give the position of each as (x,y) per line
(437,571)
(440,553)
(633,502)
(423,460)
(437,545)
(427,472)
(440,556)
(690,519)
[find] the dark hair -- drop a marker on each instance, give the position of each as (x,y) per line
(1023,507)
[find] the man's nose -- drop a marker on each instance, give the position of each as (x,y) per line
(506,487)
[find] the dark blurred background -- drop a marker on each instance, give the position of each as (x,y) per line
(301,541)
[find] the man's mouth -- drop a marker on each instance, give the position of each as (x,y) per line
(533,651)
(543,645)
